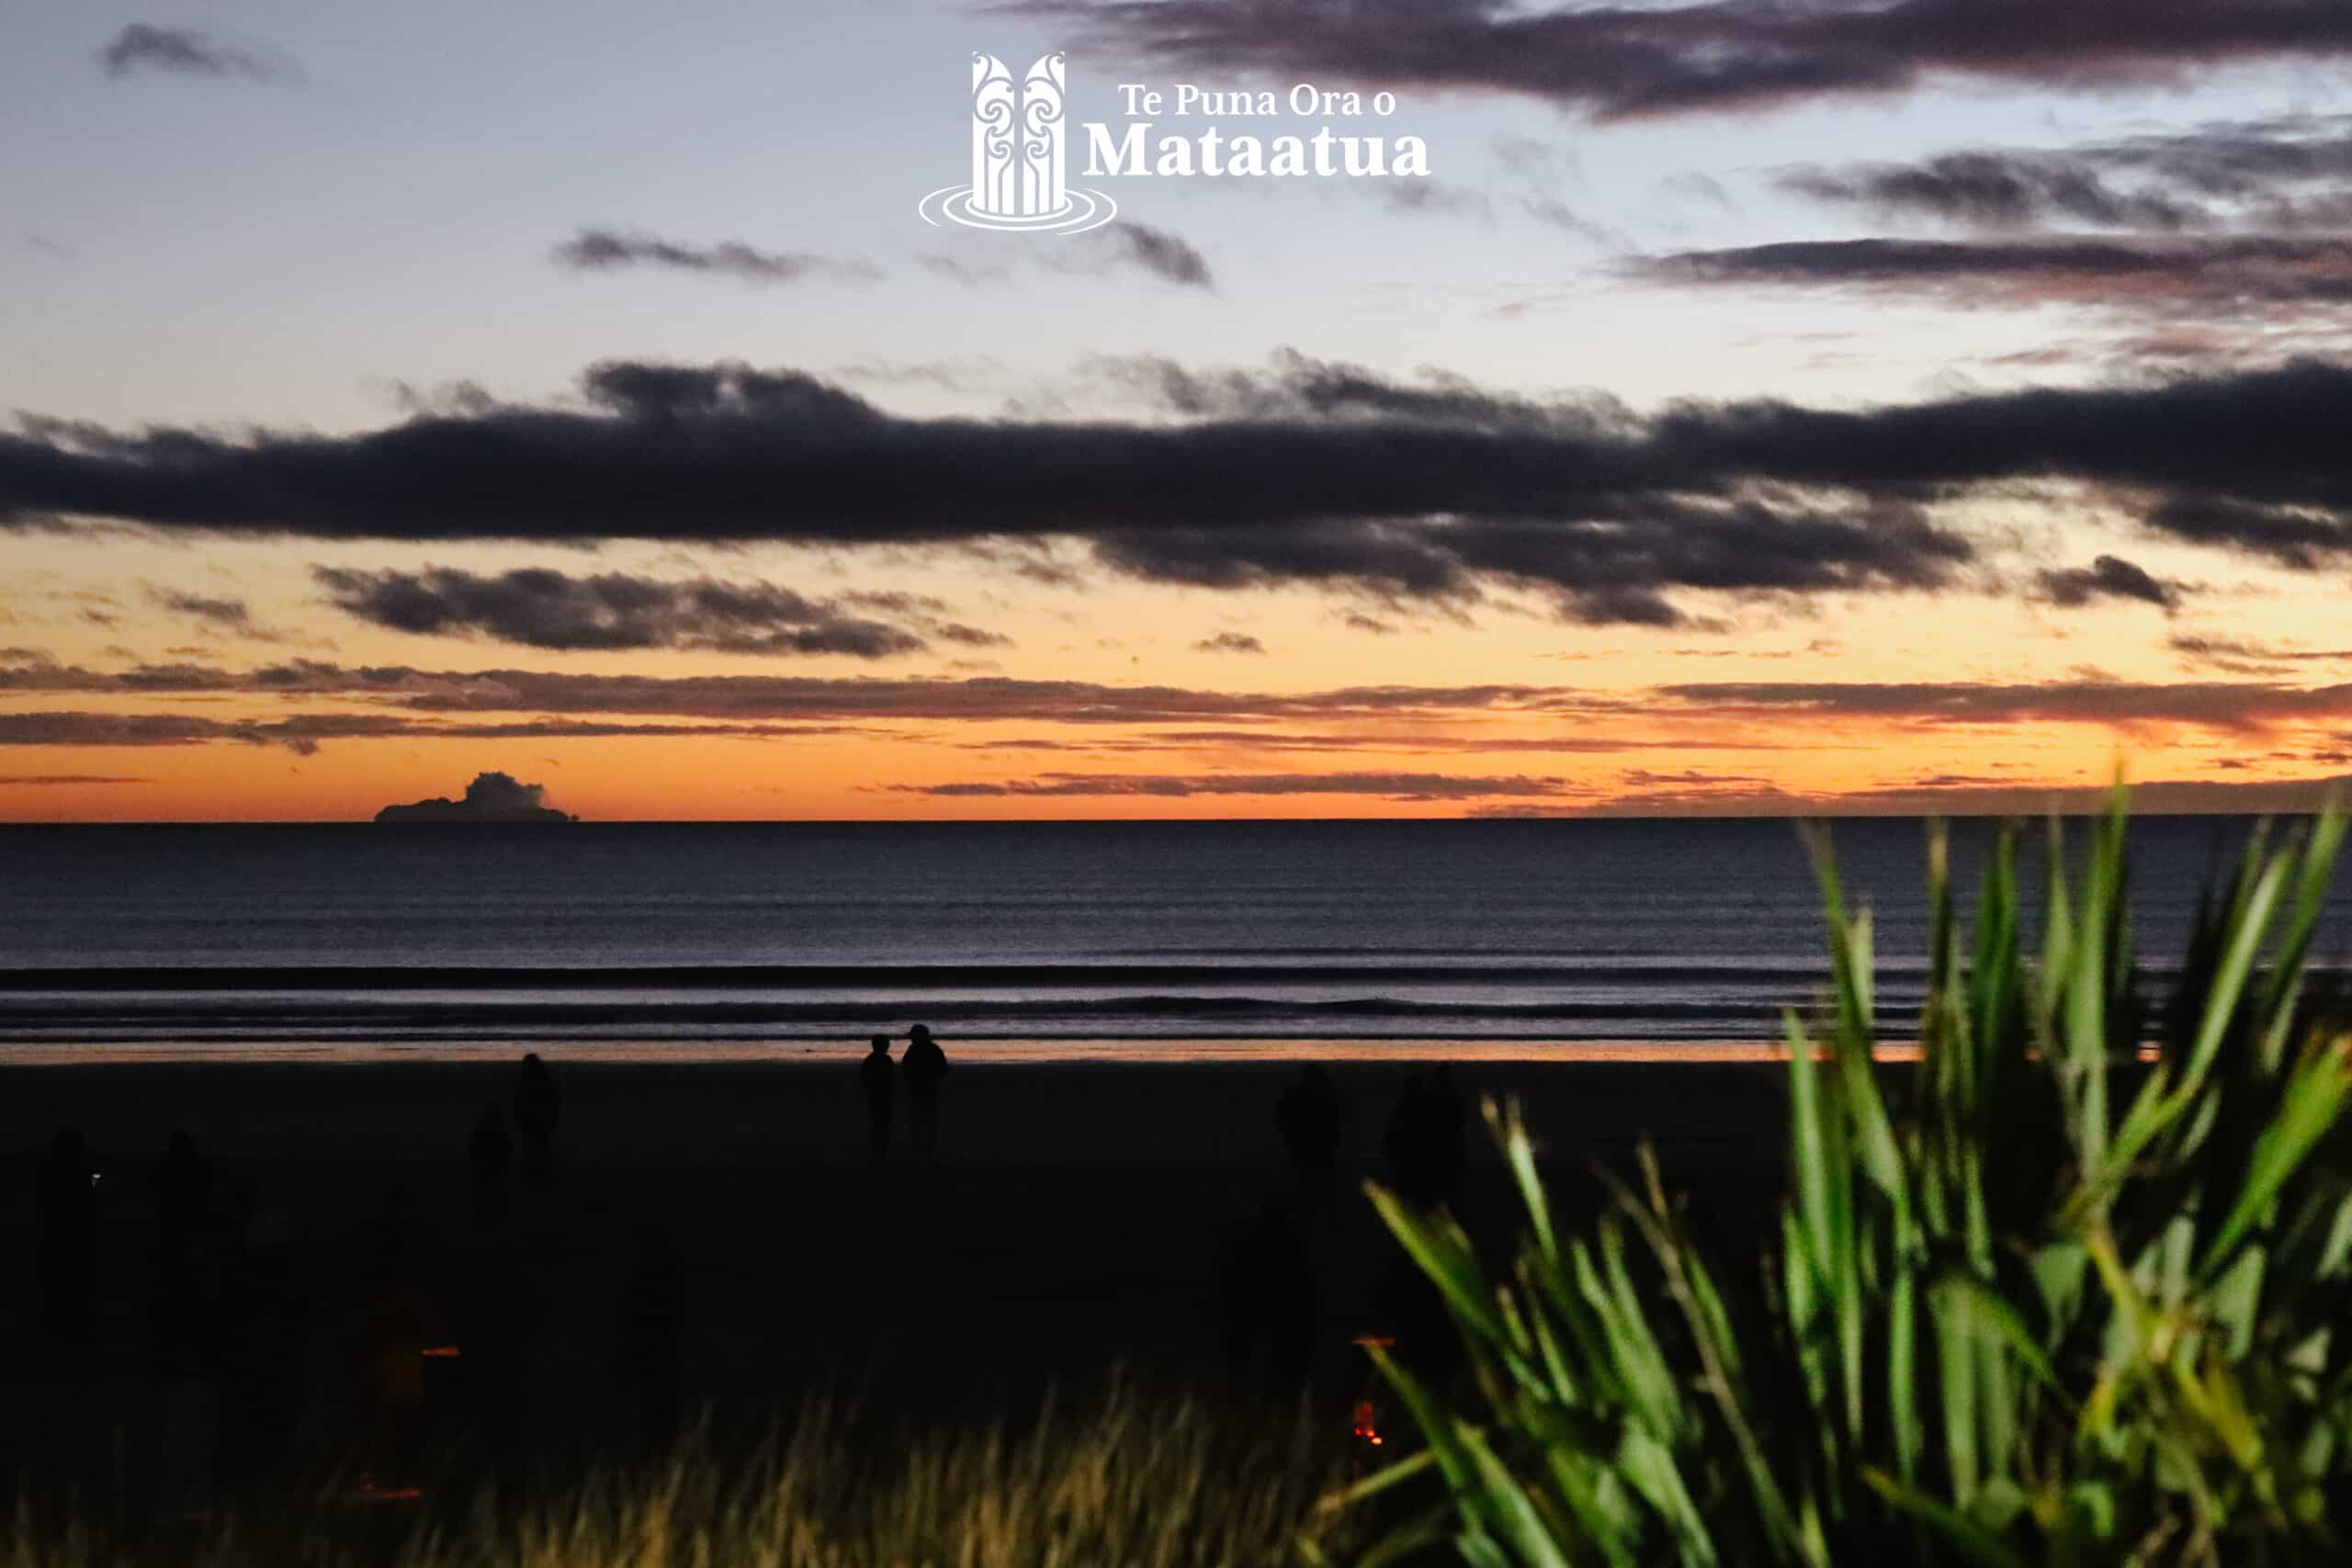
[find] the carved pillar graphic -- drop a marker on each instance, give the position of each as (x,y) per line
(1041,169)
(993,174)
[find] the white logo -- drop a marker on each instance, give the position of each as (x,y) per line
(1028,192)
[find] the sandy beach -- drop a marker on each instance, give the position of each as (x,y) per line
(1060,1103)
(1081,1215)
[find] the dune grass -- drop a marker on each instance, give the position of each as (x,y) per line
(1118,1479)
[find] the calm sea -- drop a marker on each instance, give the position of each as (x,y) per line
(679,934)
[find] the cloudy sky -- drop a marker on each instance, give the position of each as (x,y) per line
(1760,407)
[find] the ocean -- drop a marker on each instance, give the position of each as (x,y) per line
(675,937)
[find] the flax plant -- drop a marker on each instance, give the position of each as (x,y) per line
(2072,1291)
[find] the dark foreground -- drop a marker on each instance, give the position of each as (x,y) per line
(716,1237)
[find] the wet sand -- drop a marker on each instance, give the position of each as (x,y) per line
(1020,1105)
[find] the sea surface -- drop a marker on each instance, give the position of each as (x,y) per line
(672,937)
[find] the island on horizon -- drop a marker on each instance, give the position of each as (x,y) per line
(491,797)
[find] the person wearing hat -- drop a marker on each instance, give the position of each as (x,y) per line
(921,1068)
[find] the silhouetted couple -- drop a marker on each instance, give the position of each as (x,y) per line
(533,1109)
(924,1065)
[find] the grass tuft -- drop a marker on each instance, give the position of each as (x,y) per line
(2047,1302)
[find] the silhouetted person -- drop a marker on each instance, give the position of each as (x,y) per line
(490,1151)
(878,1074)
(65,1191)
(923,1067)
(652,1332)
(1308,1116)
(537,1103)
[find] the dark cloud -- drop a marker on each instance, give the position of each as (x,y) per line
(1230,642)
(222,612)
(1957,796)
(71,728)
(305,733)
(963,270)
(2205,300)
(234,614)
(1295,389)
(2110,577)
(2284,173)
(2235,656)
(2243,655)
(2300,535)
(1583,743)
(2206,705)
(972,700)
(401,701)
(1386,786)
(1158,252)
(1623,61)
(490,797)
(2249,461)
(653,393)
(1305,473)
(182,51)
(1346,480)
(1997,190)
(2225,243)
(1124,247)
(2141,275)
(607,250)
(801,699)
(541,608)
(992,699)
(46,780)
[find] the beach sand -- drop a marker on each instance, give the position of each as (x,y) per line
(1081,1215)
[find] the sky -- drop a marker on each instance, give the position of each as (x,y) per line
(1929,405)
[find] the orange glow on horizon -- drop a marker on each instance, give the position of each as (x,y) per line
(1589,719)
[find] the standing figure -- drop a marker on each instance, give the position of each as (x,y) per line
(1309,1118)
(537,1103)
(923,1066)
(65,1191)
(878,1075)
